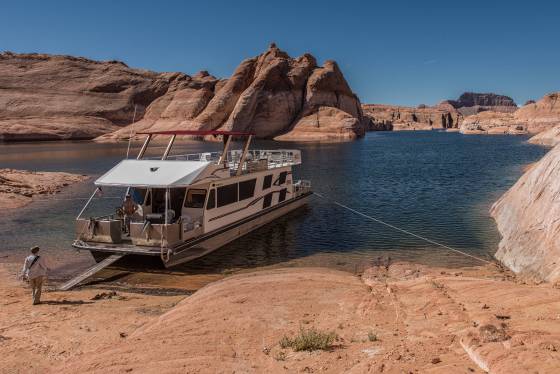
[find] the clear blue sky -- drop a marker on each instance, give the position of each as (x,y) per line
(401,52)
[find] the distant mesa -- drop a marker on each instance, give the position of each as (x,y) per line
(273,95)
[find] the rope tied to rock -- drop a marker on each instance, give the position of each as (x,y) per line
(402,230)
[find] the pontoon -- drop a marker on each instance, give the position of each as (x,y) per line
(190,205)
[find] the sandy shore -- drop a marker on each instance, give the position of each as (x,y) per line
(18,187)
(400,318)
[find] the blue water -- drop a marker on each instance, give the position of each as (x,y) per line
(436,184)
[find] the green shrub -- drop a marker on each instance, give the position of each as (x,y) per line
(309,340)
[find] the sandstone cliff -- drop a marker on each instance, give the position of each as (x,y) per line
(527,217)
(63,97)
(393,117)
(271,95)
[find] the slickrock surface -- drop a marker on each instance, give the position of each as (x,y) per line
(470,103)
(68,324)
(549,138)
(392,117)
(271,95)
(527,217)
(49,97)
(393,318)
(17,187)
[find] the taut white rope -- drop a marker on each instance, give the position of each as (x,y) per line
(402,230)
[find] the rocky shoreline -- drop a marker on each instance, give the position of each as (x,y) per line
(389,318)
(19,187)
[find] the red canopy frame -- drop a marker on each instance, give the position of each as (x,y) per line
(196,132)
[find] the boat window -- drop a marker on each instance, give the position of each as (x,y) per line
(267,182)
(138,195)
(247,189)
(282,178)
(227,194)
(158,200)
(195,198)
(211,200)
(176,197)
(282,196)
(267,201)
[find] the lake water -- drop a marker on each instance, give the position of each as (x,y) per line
(436,184)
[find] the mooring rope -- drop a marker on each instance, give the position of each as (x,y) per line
(401,230)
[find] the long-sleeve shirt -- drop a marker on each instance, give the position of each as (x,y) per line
(39,268)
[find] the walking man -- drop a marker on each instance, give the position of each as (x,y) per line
(35,270)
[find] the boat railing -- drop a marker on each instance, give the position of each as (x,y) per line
(256,159)
(302,186)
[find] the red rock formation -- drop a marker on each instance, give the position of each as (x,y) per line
(64,97)
(392,117)
(539,118)
(271,95)
(490,122)
(60,97)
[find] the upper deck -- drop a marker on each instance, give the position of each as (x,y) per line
(254,160)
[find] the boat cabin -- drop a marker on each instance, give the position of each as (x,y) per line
(184,200)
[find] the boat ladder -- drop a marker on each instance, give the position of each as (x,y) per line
(90,272)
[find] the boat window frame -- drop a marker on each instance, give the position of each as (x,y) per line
(282,178)
(282,195)
(252,185)
(267,182)
(211,198)
(228,201)
(267,200)
(198,191)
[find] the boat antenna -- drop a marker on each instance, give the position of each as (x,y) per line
(131,127)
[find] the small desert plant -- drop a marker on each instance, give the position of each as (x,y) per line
(309,340)
(280,356)
(372,337)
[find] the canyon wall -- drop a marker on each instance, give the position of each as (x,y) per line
(271,95)
(527,217)
(539,117)
(393,117)
(46,97)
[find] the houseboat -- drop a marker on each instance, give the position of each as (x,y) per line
(189,205)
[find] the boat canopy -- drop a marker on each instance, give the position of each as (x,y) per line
(152,173)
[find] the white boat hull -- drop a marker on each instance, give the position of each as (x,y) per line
(207,243)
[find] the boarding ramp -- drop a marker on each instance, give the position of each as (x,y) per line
(91,271)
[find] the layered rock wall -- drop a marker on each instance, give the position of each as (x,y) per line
(392,117)
(63,97)
(271,95)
